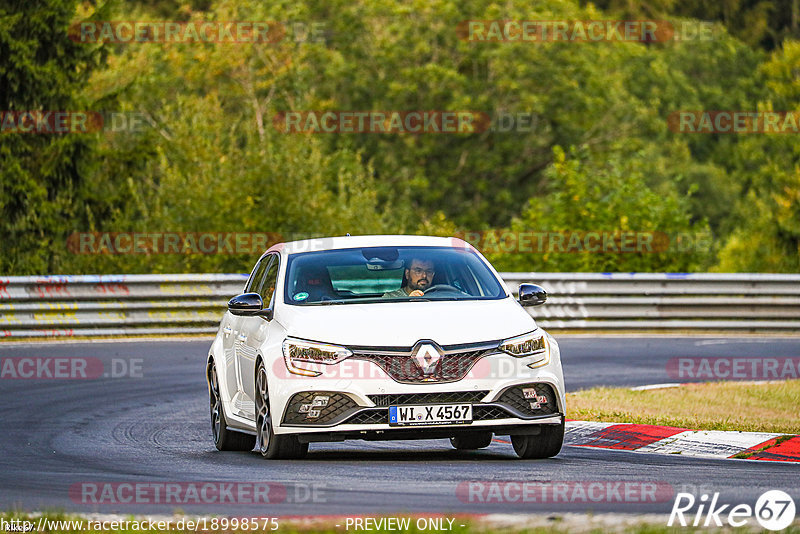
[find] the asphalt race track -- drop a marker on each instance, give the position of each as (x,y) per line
(58,434)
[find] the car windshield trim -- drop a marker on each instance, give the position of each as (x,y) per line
(474,279)
(373,300)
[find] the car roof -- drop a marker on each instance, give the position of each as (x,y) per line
(342,242)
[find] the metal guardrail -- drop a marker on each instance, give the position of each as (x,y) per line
(666,301)
(32,306)
(193,303)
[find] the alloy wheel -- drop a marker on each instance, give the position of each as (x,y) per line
(264,417)
(214,400)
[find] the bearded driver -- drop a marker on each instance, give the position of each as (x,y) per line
(417,277)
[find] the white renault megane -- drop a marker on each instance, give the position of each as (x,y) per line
(382,338)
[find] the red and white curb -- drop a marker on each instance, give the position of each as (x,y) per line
(683,441)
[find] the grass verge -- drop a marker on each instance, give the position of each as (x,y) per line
(745,406)
(60,523)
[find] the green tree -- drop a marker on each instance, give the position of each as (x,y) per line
(611,197)
(206,157)
(42,177)
(767,238)
(764,23)
(209,158)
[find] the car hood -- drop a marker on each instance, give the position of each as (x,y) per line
(402,324)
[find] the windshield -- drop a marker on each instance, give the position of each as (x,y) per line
(383,274)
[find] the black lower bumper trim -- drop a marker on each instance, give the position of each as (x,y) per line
(427,433)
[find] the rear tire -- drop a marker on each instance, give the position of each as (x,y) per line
(546,444)
(224,439)
(271,445)
(472,441)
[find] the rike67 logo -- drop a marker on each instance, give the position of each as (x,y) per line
(774,510)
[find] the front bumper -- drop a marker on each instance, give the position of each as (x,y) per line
(513,409)
(356,405)
(325,409)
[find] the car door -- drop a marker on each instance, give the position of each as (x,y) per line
(233,340)
(228,372)
(253,332)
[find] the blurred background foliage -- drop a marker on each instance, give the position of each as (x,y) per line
(599,157)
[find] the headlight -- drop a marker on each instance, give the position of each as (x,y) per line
(297,352)
(533,344)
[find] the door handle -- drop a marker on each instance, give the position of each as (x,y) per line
(227,330)
(241,337)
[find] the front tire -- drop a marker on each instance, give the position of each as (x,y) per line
(224,439)
(271,445)
(546,444)
(472,441)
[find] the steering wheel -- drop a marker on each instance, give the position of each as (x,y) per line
(443,287)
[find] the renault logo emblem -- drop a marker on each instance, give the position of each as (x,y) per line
(427,357)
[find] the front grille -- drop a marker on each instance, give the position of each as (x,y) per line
(317,407)
(480,412)
(452,366)
(515,397)
(512,404)
(428,398)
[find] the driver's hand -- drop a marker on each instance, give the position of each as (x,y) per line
(416,293)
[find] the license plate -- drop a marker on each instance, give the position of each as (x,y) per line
(430,414)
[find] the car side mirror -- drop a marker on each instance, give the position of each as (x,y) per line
(532,295)
(249,305)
